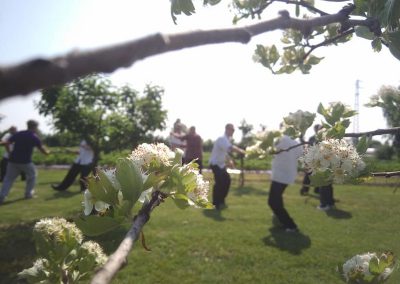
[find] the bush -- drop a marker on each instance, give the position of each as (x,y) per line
(384,152)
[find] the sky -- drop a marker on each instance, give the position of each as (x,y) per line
(205,86)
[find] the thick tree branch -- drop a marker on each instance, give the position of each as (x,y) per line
(119,258)
(41,73)
(386,174)
(393,130)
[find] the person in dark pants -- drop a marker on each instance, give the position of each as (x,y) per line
(284,172)
(219,154)
(326,200)
(21,159)
(83,165)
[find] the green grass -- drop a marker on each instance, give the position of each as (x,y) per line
(237,245)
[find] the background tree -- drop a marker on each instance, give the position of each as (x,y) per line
(388,98)
(110,118)
(246,129)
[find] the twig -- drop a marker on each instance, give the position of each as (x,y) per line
(327,42)
(119,258)
(42,73)
(290,148)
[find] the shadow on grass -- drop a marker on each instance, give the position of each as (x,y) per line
(293,243)
(17,250)
(63,194)
(214,214)
(338,214)
(246,190)
(6,202)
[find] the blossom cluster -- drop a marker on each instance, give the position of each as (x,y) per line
(200,192)
(146,154)
(148,168)
(62,253)
(360,268)
(334,156)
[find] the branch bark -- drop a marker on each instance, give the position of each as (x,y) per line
(119,258)
(40,73)
(393,130)
(386,174)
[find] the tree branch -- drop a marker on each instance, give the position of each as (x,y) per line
(328,41)
(386,174)
(42,73)
(119,258)
(290,148)
(393,130)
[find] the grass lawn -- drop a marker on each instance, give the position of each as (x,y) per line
(237,245)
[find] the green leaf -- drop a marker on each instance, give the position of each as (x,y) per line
(321,178)
(321,110)
(96,225)
(288,69)
(297,10)
(181,200)
(109,187)
(181,6)
(394,50)
(374,266)
(337,112)
(362,145)
(130,178)
(377,44)
(313,60)
(364,32)
(290,131)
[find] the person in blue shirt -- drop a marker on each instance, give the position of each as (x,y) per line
(20,159)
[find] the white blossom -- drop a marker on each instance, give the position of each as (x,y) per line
(56,228)
(94,249)
(334,155)
(359,264)
(90,201)
(201,190)
(145,154)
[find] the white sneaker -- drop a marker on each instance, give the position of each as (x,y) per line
(324,208)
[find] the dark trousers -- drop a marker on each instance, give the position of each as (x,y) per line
(222,182)
(306,184)
(3,170)
(326,195)
(74,171)
(275,202)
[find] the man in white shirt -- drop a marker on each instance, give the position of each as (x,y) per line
(4,161)
(284,172)
(82,165)
(219,154)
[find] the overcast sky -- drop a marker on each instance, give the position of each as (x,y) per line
(205,86)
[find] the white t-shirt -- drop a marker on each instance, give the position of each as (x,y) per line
(86,154)
(219,151)
(175,142)
(284,164)
(5,138)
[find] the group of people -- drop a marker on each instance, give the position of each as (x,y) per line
(19,147)
(284,171)
(17,160)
